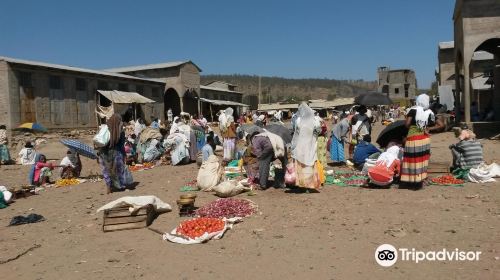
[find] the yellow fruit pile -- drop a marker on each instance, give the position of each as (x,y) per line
(67,182)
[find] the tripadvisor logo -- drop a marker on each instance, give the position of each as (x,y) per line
(387,255)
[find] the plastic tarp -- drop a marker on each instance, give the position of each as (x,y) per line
(125,97)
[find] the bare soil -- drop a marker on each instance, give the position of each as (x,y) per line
(328,235)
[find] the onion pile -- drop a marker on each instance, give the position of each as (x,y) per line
(227,208)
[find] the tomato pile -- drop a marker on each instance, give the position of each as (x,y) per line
(198,226)
(447,180)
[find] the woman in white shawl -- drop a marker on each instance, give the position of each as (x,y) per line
(304,146)
(228,131)
(417,150)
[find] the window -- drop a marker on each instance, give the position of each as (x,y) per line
(396,90)
(81,84)
(102,85)
(139,89)
(55,82)
(406,92)
(25,79)
(122,87)
(155,92)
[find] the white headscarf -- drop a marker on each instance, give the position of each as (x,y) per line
(388,157)
(423,111)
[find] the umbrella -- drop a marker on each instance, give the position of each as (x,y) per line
(32,126)
(280,130)
(395,131)
(251,128)
(80,148)
(372,99)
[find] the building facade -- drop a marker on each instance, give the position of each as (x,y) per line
(400,85)
(446,60)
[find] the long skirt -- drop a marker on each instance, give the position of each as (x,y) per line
(321,150)
(113,169)
(337,150)
(417,152)
(4,153)
(307,176)
(193,149)
(229,147)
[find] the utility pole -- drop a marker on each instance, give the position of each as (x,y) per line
(260,92)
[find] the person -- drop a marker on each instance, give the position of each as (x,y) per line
(248,118)
(139,127)
(417,148)
(339,137)
(322,143)
(71,165)
(175,125)
(155,124)
(112,156)
(363,150)
(260,121)
(178,146)
(360,126)
(267,147)
(208,149)
(468,152)
(27,154)
(203,121)
(278,115)
(152,151)
(228,132)
(250,161)
(4,150)
(41,171)
(170,115)
(131,149)
(304,146)
(387,167)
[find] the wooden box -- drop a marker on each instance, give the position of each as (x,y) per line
(438,167)
(122,219)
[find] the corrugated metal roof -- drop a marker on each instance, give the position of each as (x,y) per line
(219,89)
(71,68)
(276,106)
(223,102)
(322,104)
(446,45)
(150,66)
(125,97)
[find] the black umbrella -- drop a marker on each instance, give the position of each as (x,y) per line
(373,99)
(251,128)
(280,130)
(396,131)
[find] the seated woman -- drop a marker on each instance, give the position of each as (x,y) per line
(363,150)
(71,165)
(27,154)
(41,171)
(387,167)
(468,152)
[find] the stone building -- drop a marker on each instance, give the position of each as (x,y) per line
(400,84)
(446,61)
(476,28)
(218,95)
(60,97)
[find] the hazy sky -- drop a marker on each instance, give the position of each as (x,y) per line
(322,39)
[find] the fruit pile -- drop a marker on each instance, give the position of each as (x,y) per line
(67,182)
(447,180)
(199,226)
(227,208)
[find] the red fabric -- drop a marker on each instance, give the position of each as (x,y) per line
(384,174)
(38,167)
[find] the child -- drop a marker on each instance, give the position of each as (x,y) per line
(27,154)
(363,150)
(4,150)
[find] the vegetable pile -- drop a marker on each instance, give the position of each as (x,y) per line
(144,166)
(447,180)
(227,208)
(356,182)
(199,226)
(67,182)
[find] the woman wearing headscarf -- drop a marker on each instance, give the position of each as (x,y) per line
(304,146)
(112,156)
(339,137)
(71,165)
(386,168)
(417,149)
(228,132)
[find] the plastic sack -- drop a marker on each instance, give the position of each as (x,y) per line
(290,175)
(101,139)
(209,174)
(484,173)
(175,238)
(229,188)
(129,180)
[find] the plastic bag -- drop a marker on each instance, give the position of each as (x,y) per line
(229,189)
(129,180)
(173,237)
(290,175)
(101,139)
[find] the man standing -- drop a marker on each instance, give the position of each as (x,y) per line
(170,115)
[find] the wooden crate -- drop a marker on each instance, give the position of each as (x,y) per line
(438,167)
(122,219)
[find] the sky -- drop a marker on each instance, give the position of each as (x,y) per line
(294,39)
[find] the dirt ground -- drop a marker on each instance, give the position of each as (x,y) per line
(328,235)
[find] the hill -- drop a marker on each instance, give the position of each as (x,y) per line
(283,89)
